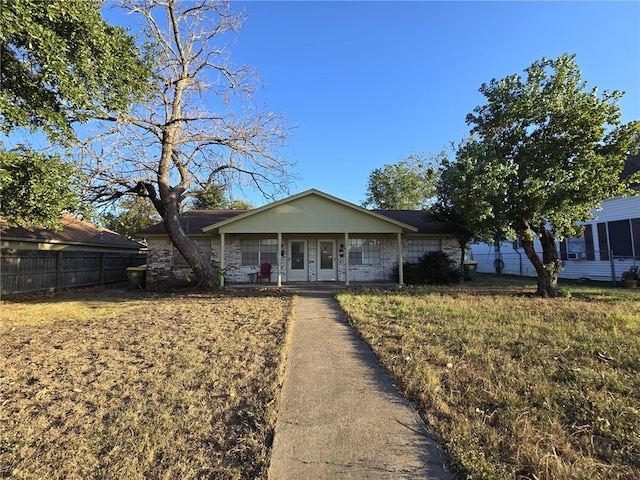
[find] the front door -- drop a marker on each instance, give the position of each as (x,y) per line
(297,264)
(327,262)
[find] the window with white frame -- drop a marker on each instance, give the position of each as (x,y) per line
(203,244)
(364,251)
(417,247)
(259,251)
(576,248)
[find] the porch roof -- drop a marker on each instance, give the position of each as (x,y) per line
(311,212)
(199,222)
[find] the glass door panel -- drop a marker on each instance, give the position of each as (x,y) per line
(297,262)
(327,260)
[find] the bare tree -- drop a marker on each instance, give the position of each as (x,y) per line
(199,125)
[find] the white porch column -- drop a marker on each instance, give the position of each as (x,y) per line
(279,262)
(400,262)
(222,260)
(346,258)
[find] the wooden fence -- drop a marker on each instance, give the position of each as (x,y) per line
(25,271)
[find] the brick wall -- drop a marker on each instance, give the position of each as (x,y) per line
(160,261)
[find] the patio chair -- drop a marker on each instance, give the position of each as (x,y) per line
(265,272)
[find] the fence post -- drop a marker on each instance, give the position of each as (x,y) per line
(613,267)
(102,267)
(58,270)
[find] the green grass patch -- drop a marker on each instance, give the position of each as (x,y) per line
(515,386)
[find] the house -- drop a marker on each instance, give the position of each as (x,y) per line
(609,245)
(308,237)
(80,254)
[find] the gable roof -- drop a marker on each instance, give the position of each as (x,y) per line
(75,231)
(198,222)
(311,211)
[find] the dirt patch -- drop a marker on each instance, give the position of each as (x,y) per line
(137,385)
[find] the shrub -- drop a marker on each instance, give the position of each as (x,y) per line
(434,268)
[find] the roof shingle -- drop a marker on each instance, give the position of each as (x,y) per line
(74,231)
(193,221)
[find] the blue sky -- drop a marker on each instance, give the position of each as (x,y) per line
(368,83)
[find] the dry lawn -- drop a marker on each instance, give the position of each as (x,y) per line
(516,387)
(116,384)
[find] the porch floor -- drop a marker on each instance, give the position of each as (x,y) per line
(311,285)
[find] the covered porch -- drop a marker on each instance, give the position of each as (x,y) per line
(311,238)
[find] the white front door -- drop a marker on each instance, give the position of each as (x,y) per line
(327,261)
(297,264)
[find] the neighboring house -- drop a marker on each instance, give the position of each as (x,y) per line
(609,245)
(81,254)
(308,237)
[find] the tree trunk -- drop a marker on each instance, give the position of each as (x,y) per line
(171,196)
(201,266)
(548,267)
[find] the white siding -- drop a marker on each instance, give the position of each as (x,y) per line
(516,262)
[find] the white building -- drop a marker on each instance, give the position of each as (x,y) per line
(609,246)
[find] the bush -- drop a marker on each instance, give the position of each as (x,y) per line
(434,268)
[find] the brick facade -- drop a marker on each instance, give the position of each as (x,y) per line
(160,260)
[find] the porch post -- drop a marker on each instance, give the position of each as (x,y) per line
(346,259)
(400,262)
(279,262)
(222,260)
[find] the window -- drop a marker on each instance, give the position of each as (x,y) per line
(579,248)
(416,248)
(576,249)
(203,244)
(364,251)
(621,238)
(259,251)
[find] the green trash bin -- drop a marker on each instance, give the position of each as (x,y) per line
(137,276)
(470,270)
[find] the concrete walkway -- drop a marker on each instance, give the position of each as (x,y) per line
(340,414)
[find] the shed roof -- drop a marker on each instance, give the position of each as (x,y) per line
(74,231)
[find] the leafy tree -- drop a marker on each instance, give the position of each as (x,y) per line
(62,63)
(212,198)
(544,151)
(406,185)
(35,188)
(135,214)
(215,197)
(201,128)
(241,204)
